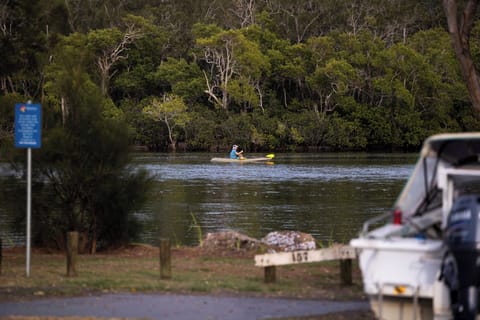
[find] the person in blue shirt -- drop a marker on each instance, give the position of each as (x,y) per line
(235,153)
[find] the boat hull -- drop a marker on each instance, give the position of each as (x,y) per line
(245,160)
(415,263)
(400,276)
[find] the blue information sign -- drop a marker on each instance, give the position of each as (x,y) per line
(28,125)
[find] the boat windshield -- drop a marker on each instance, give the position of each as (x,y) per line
(421,193)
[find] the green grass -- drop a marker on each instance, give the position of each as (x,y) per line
(197,273)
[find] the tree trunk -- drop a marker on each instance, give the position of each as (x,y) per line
(173,142)
(460,37)
(94,236)
(93,248)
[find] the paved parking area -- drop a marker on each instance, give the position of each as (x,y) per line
(174,306)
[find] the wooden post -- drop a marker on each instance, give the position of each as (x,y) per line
(165,259)
(270,274)
(72,253)
(346,272)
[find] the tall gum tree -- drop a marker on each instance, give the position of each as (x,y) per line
(172,111)
(111,46)
(230,56)
(459,28)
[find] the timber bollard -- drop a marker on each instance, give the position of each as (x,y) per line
(72,253)
(270,274)
(165,259)
(346,272)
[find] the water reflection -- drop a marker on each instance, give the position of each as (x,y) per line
(327,195)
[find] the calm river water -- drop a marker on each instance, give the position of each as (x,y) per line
(328,195)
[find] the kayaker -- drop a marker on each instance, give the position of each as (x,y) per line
(236,154)
(240,152)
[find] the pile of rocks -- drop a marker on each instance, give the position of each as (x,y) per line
(272,242)
(289,241)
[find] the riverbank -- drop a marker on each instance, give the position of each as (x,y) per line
(135,268)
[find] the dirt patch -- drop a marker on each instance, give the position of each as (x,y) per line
(132,251)
(143,250)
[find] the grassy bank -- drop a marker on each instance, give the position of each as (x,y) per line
(194,270)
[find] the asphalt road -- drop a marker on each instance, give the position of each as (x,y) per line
(178,307)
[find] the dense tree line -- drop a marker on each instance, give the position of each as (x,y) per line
(269,75)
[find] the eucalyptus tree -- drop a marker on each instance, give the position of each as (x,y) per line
(111,45)
(136,78)
(336,76)
(442,95)
(171,111)
(135,74)
(245,11)
(332,82)
(248,88)
(217,50)
(459,27)
(292,70)
(233,66)
(269,80)
(396,86)
(184,82)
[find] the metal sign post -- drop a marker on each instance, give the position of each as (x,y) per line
(29,208)
(28,129)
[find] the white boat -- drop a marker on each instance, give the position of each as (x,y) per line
(422,259)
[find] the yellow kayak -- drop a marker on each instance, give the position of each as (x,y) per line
(268,157)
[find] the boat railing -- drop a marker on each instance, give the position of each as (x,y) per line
(373,221)
(446,178)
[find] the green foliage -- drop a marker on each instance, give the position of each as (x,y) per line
(345,134)
(103,40)
(201,132)
(201,30)
(172,111)
(185,79)
(7,110)
(300,76)
(287,76)
(242,92)
(83,164)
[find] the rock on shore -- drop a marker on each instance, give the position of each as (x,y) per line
(273,241)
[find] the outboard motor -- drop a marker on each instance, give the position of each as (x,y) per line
(461,267)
